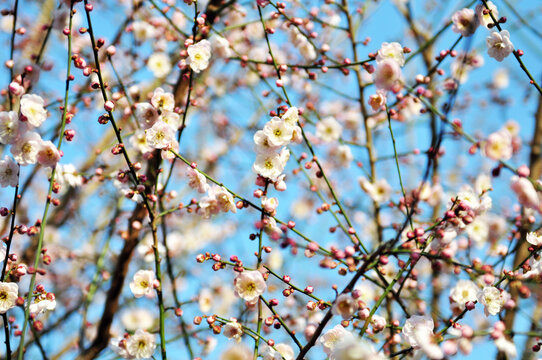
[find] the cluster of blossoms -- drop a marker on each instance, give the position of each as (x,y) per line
(159,124)
(387,76)
(341,344)
(140,345)
(27,146)
(504,143)
(270,144)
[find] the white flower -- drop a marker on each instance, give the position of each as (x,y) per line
(9,172)
(507,347)
(464,22)
(139,141)
(501,78)
(427,345)
(9,292)
(283,351)
(142,30)
(42,303)
(172,119)
(118,345)
(146,114)
(249,285)
(499,45)
(25,150)
(141,345)
(33,110)
(197,180)
(527,194)
(387,74)
(354,348)
(378,322)
(67,174)
(224,198)
(534,239)
(233,330)
(138,318)
(343,155)
(10,127)
(145,248)
(380,191)
(278,132)
(48,154)
(269,204)
(200,54)
(221,46)
(492,299)
(160,135)
(159,64)
(263,146)
(536,269)
(417,323)
(329,129)
(205,300)
(291,116)
(478,231)
(486,19)
(392,51)
(463,292)
(345,306)
(271,165)
(142,283)
(237,352)
(163,100)
(330,339)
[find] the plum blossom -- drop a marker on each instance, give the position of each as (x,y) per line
(345,306)
(249,285)
(534,239)
(331,337)
(492,299)
(392,51)
(48,154)
(9,292)
(354,348)
(142,283)
(224,198)
(284,351)
(417,323)
(499,45)
(329,129)
(137,318)
(379,191)
(9,172)
(271,165)
(141,345)
(278,132)
(33,110)
(146,114)
(464,22)
(10,127)
(427,344)
(233,330)
(199,55)
(507,347)
(160,135)
(463,292)
(387,74)
(25,150)
(162,100)
(524,189)
(43,302)
(486,19)
(197,180)
(159,64)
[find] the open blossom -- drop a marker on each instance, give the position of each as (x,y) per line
(48,154)
(534,239)
(42,303)
(200,54)
(278,132)
(237,352)
(464,22)
(507,347)
(387,74)
(492,299)
(391,51)
(197,180)
(283,352)
(269,204)
(345,306)
(160,135)
(9,292)
(463,292)
(10,127)
(25,150)
(426,343)
(162,100)
(9,172)
(330,339)
(354,348)
(271,165)
(249,285)
(172,119)
(224,198)
(159,64)
(329,129)
(33,110)
(141,345)
(379,191)
(137,318)
(233,330)
(263,146)
(499,45)
(377,100)
(417,323)
(221,46)
(142,283)
(485,20)
(524,189)
(146,114)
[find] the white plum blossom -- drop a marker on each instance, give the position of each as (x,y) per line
(345,306)
(48,154)
(499,45)
(249,285)
(527,194)
(162,100)
(392,51)
(221,46)
(199,55)
(233,330)
(9,292)
(197,180)
(354,348)
(536,269)
(10,127)
(137,318)
(25,150)
(329,129)
(146,114)
(463,292)
(159,64)
(139,141)
(172,119)
(492,299)
(283,352)
(417,323)
(330,339)
(387,74)
(379,191)
(278,132)
(534,239)
(507,347)
(141,345)
(486,19)
(42,303)
(32,108)
(271,165)
(224,198)
(142,283)
(237,352)
(464,22)
(9,172)
(160,136)
(142,30)
(427,344)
